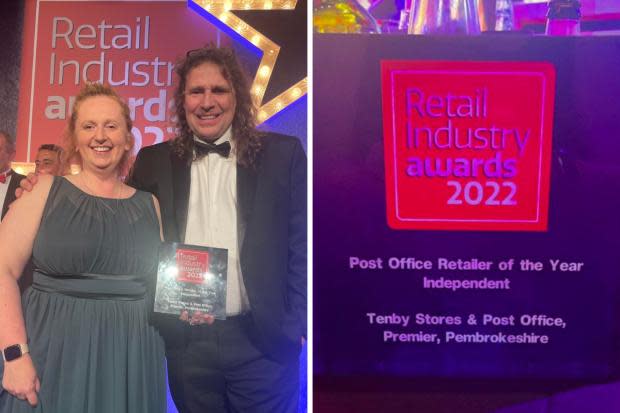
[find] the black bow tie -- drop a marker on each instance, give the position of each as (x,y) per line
(204,148)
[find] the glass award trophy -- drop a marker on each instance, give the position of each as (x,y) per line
(191,278)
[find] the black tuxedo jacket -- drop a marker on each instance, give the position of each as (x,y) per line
(271,201)
(10,193)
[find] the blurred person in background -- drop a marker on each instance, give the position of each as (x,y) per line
(48,160)
(9,179)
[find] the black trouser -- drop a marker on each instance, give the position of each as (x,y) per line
(221,370)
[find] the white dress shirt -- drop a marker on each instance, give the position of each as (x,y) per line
(212,217)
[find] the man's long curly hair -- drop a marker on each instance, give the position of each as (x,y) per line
(245,137)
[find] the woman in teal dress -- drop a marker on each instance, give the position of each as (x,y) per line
(79,341)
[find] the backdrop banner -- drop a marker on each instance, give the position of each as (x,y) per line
(130,45)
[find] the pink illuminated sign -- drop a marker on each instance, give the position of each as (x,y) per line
(467,144)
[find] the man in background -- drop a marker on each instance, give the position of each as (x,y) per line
(48,160)
(9,179)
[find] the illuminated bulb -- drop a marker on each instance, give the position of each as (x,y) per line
(264,71)
(262,115)
(258,90)
(268,5)
(255,40)
(223,17)
(286,5)
(296,92)
(227,6)
(279,105)
(246,5)
(23,167)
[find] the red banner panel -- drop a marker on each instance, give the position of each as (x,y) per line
(131,45)
(467,144)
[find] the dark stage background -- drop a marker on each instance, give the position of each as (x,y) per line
(11,27)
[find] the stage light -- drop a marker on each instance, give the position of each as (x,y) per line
(264,71)
(23,168)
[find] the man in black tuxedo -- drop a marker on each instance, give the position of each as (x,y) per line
(9,179)
(221,183)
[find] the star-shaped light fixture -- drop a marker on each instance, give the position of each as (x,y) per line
(221,10)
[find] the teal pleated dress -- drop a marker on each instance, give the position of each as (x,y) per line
(86,313)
